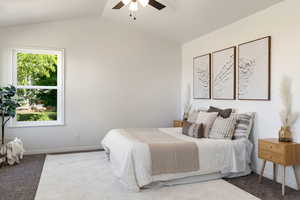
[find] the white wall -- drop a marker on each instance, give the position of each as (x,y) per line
(282,23)
(115,77)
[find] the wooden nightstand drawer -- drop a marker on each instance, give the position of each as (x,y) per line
(271,156)
(265,145)
(177,123)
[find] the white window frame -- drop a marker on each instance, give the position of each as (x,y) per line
(60,85)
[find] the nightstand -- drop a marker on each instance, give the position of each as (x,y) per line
(177,123)
(281,153)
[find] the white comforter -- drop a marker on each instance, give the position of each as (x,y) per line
(131,159)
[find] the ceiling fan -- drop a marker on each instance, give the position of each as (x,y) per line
(133,5)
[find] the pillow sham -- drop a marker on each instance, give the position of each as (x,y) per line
(244,125)
(223,128)
(225,113)
(207,119)
(193,115)
(193,129)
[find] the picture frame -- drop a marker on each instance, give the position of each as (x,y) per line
(254,68)
(224,74)
(202,77)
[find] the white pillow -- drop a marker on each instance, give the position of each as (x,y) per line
(207,119)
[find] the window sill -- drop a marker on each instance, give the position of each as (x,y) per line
(35,124)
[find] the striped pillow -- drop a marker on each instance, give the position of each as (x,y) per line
(223,128)
(244,125)
(193,129)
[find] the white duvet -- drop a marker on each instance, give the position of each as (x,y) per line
(131,162)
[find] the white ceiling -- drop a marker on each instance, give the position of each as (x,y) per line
(184,20)
(181,21)
(16,12)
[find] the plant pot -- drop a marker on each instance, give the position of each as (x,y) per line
(2,155)
(12,152)
(185,116)
(285,134)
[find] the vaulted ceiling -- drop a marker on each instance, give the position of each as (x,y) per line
(16,12)
(181,21)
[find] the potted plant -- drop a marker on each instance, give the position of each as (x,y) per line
(8,106)
(287,116)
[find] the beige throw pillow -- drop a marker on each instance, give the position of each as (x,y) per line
(207,119)
(193,116)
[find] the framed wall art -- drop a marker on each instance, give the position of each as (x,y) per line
(254,67)
(223,74)
(201,77)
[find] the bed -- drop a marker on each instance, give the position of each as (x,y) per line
(131,162)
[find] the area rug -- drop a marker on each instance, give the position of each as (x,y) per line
(87,176)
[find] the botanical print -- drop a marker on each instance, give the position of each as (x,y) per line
(246,70)
(254,70)
(202,77)
(224,74)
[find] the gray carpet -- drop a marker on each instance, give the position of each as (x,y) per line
(268,190)
(20,182)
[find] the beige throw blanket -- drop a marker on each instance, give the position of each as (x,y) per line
(168,154)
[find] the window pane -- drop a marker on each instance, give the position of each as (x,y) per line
(37,105)
(36,69)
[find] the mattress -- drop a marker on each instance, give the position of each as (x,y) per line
(131,160)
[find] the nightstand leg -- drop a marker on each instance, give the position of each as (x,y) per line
(283,182)
(296,176)
(262,171)
(274,172)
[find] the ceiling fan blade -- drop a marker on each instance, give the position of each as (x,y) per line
(119,5)
(156,4)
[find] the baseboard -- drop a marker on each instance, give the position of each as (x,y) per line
(63,150)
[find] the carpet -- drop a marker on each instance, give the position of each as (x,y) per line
(19,182)
(84,176)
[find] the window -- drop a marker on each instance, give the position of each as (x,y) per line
(38,77)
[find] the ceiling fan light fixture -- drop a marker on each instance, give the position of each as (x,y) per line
(133,6)
(144,3)
(126,2)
